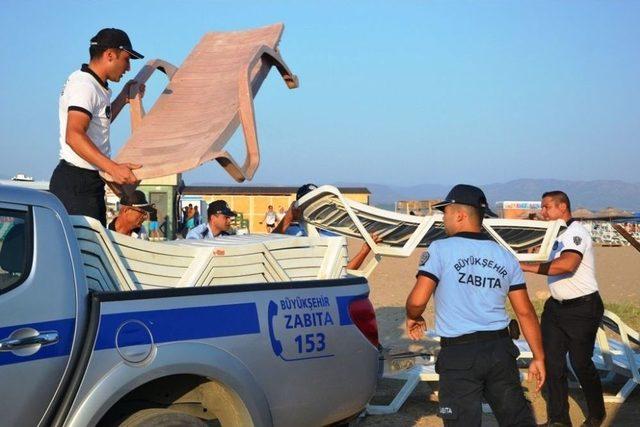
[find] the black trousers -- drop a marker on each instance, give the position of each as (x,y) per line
(571,329)
(473,371)
(81,191)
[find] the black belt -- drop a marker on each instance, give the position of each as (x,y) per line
(579,300)
(475,337)
(78,168)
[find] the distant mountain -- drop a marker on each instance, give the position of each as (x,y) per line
(592,195)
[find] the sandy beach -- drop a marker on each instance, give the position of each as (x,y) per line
(618,269)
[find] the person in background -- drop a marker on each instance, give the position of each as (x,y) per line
(153,223)
(196,216)
(270,219)
(290,224)
(134,210)
(218,222)
(190,222)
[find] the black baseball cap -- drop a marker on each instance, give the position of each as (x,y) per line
(137,200)
(302,191)
(464,194)
(112,37)
(219,207)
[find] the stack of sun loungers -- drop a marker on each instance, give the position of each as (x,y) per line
(115,262)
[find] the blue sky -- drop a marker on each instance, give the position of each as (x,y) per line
(392,92)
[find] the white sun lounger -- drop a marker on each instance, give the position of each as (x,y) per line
(326,208)
(612,356)
(618,357)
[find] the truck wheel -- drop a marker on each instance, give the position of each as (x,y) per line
(160,417)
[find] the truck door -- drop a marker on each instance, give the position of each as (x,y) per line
(37,311)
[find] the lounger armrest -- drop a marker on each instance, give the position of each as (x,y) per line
(247,113)
(137,110)
(135,100)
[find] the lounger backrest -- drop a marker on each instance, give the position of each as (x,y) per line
(281,260)
(115,262)
(311,258)
(241,265)
(619,356)
(103,268)
(156,265)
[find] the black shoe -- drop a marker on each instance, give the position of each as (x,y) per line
(592,422)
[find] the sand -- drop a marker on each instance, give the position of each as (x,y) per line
(617,269)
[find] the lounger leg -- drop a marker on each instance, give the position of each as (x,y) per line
(624,392)
(398,401)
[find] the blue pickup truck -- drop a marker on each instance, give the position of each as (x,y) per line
(102,329)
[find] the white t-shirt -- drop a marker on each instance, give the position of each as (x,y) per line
(582,282)
(84,92)
(473,276)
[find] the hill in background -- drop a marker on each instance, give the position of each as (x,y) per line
(592,195)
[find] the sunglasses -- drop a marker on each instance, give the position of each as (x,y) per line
(140,211)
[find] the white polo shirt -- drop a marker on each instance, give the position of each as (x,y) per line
(582,282)
(85,92)
(473,275)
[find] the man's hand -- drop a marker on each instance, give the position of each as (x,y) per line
(537,372)
(132,88)
(529,267)
(416,328)
(122,173)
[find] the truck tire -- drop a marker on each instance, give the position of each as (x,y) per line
(160,417)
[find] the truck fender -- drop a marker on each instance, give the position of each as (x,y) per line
(203,360)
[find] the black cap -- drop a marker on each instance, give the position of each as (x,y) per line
(302,191)
(219,207)
(112,37)
(137,200)
(464,194)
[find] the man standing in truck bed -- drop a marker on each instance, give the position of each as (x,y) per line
(86,113)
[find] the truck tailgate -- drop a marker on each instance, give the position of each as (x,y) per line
(296,341)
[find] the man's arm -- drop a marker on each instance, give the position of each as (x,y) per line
(81,144)
(531,330)
(123,98)
(567,262)
(416,303)
(292,214)
(359,258)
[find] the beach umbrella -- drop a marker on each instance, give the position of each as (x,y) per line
(612,213)
(582,213)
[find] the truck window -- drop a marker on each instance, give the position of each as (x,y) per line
(15,248)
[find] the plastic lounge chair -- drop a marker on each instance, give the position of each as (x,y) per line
(326,208)
(420,372)
(207,98)
(618,357)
